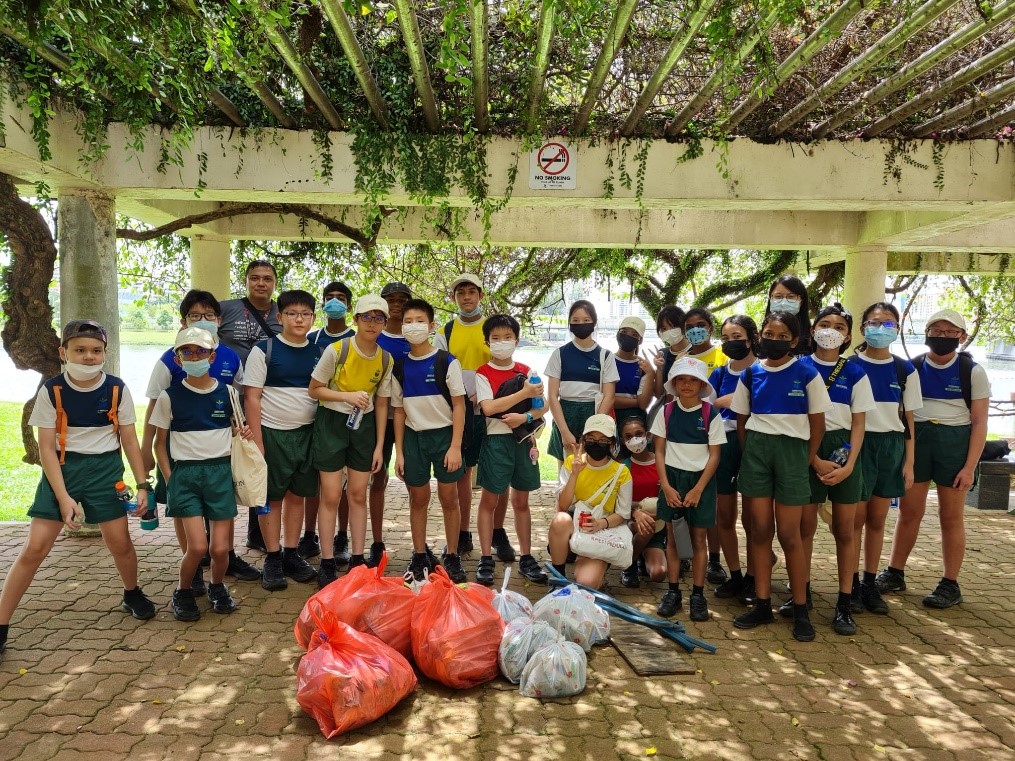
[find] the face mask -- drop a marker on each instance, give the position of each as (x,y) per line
(829,338)
(598,450)
(416,332)
(672,336)
(502,349)
(697,335)
(784,305)
(335,309)
(83,372)
(196,367)
(627,342)
(881,337)
(211,327)
(636,444)
(736,349)
(581,329)
(474,313)
(775,348)
(942,345)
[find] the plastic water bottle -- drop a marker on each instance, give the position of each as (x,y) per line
(125,495)
(537,402)
(894,503)
(841,455)
(355,418)
(264,509)
(150,517)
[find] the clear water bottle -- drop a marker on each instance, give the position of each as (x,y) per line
(537,402)
(355,418)
(841,455)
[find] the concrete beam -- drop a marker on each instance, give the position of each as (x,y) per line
(951,264)
(992,237)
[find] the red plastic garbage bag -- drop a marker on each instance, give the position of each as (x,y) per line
(456,632)
(348,678)
(369,602)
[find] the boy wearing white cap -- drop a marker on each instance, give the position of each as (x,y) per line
(637,375)
(688,436)
(951,428)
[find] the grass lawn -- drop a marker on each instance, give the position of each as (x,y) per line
(147,337)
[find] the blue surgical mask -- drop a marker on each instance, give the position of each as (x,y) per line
(696,335)
(196,367)
(880,337)
(335,309)
(211,327)
(474,313)
(784,305)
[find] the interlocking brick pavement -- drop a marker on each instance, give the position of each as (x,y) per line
(915,684)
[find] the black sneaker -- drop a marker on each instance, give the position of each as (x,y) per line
(803,630)
(786,609)
(221,600)
(945,595)
(529,567)
(295,567)
(327,573)
(197,586)
(685,567)
(484,570)
(417,567)
(240,569)
(257,543)
(452,563)
(139,606)
(855,599)
(341,548)
(3,642)
(872,600)
(756,616)
(748,593)
(715,573)
(465,542)
(502,546)
(843,622)
(730,588)
(699,608)
(629,577)
(376,551)
(890,580)
(642,568)
(273,577)
(356,560)
(431,560)
(670,604)
(184,606)
(309,546)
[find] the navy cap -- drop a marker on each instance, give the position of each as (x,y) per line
(396,287)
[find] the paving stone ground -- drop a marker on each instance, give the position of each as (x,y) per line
(80,680)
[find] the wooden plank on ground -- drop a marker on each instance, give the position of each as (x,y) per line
(648,653)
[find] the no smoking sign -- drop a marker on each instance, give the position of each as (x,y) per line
(552,166)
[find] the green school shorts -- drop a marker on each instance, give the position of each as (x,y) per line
(337,447)
(202,488)
(658,540)
(91,480)
(882,457)
(575,415)
(729,465)
(774,465)
(845,492)
(288,455)
(940,452)
(504,462)
(702,516)
(424,451)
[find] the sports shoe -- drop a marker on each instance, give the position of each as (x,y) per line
(376,551)
(184,606)
(843,622)
(431,560)
(855,600)
(803,630)
(295,567)
(890,580)
(642,568)
(240,569)
(699,608)
(341,548)
(309,546)
(685,567)
(3,642)
(730,588)
(502,546)
(452,563)
(786,609)
(748,593)
(715,573)
(945,595)
(484,570)
(670,604)
(872,600)
(221,600)
(197,586)
(756,616)
(528,567)
(465,542)
(273,577)
(326,573)
(137,604)
(356,560)
(256,543)
(629,577)
(417,567)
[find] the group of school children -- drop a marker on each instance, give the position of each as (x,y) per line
(780,416)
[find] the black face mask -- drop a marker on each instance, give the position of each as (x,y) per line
(626,342)
(597,450)
(775,348)
(942,345)
(581,329)
(735,349)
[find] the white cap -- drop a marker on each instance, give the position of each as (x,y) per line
(634,323)
(948,315)
(194,337)
(696,369)
(603,424)
(466,277)
(370,303)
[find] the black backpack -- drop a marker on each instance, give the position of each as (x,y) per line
(513,386)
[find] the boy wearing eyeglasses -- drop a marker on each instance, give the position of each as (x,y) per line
(352,380)
(280,412)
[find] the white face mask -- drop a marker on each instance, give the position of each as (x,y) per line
(636,444)
(672,336)
(828,338)
(416,332)
(83,372)
(502,349)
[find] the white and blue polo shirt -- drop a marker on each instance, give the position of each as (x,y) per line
(884,418)
(582,372)
(199,420)
(425,407)
(285,402)
(780,398)
(942,392)
(850,393)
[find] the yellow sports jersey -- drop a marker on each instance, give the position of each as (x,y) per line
(358,373)
(468,345)
(591,479)
(713,357)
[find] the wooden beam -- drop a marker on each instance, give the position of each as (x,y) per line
(480,64)
(901,263)
(417,59)
(544,37)
(986,127)
(350,46)
(614,39)
(52,55)
(954,115)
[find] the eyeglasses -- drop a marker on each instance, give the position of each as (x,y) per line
(191,353)
(299,315)
(939,333)
(380,319)
(195,316)
(881,324)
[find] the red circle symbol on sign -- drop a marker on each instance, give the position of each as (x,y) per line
(553,158)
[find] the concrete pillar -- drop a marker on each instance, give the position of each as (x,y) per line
(209,265)
(86,234)
(866,270)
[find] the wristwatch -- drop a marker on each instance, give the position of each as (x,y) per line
(147,485)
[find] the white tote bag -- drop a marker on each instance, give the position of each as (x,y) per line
(614,545)
(250,471)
